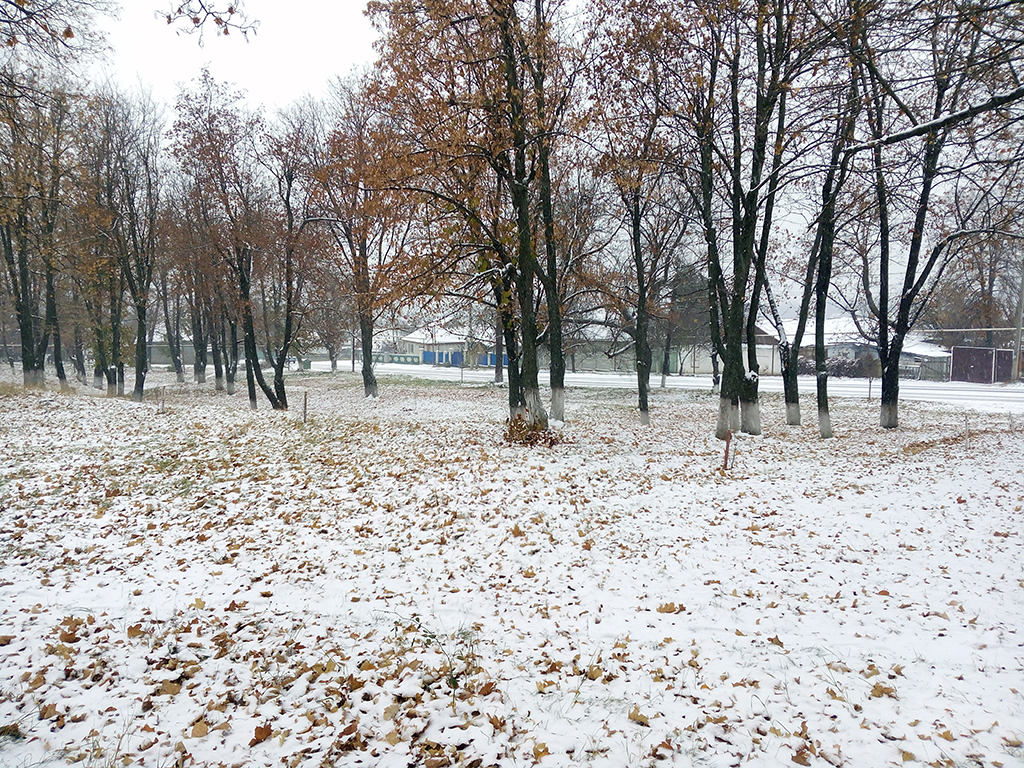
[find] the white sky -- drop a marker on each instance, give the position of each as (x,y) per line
(298,47)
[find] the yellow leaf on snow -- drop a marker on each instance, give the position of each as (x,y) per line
(393,738)
(540,751)
(637,717)
(200,729)
(946,735)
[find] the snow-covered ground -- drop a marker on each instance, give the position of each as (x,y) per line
(390,583)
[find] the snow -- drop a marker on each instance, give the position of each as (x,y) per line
(391,584)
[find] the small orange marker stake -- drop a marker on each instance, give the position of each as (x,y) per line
(728,439)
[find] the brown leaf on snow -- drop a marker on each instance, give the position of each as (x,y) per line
(135,630)
(6,639)
(803,757)
(169,688)
(775,641)
(37,681)
(261,733)
(879,690)
(200,729)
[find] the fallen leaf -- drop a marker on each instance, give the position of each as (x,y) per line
(262,733)
(637,717)
(879,690)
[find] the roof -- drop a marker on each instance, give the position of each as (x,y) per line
(433,336)
(842,330)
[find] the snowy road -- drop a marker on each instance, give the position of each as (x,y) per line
(995,398)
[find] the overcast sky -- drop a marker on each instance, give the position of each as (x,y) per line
(298,47)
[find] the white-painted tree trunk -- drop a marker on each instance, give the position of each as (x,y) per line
(558,404)
(750,417)
(728,418)
(890,415)
(535,414)
(824,423)
(793,414)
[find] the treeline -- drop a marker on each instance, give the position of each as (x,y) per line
(652,168)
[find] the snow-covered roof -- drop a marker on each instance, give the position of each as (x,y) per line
(914,346)
(842,330)
(838,330)
(430,336)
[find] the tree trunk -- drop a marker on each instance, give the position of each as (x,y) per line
(666,358)
(141,356)
(729,400)
(366,339)
(821,371)
(172,328)
(199,341)
(891,384)
(526,262)
(78,357)
(252,356)
(641,346)
(216,334)
(53,328)
(499,351)
(231,355)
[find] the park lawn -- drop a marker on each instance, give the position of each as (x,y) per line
(390,583)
